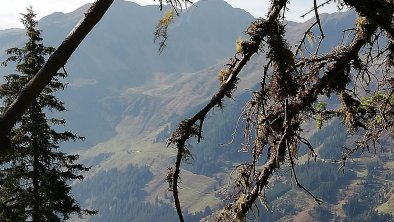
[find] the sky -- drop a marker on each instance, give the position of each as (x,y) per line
(10,11)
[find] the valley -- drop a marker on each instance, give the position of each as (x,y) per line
(127,99)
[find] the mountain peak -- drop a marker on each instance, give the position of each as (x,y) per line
(213,3)
(216,6)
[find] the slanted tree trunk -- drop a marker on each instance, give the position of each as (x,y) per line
(56,61)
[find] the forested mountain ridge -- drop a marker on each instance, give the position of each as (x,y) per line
(128,97)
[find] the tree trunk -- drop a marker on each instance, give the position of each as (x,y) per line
(57,60)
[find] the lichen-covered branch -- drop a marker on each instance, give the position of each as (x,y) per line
(188,128)
(257,31)
(290,89)
(292,110)
(378,11)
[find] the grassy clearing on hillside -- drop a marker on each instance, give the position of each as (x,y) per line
(197,191)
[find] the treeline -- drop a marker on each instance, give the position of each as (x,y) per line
(362,205)
(118,195)
(322,179)
(331,138)
(325,182)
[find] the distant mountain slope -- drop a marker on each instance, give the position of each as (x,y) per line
(126,99)
(119,53)
(152,110)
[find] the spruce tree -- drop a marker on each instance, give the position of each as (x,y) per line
(35,175)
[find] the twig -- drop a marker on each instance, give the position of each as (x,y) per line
(321,37)
(321,5)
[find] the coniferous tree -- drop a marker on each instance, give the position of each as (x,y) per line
(34,176)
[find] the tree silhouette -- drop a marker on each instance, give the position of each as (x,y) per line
(34,174)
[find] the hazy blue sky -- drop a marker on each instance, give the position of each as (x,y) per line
(9,12)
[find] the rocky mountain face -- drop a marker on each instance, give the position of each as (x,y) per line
(126,98)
